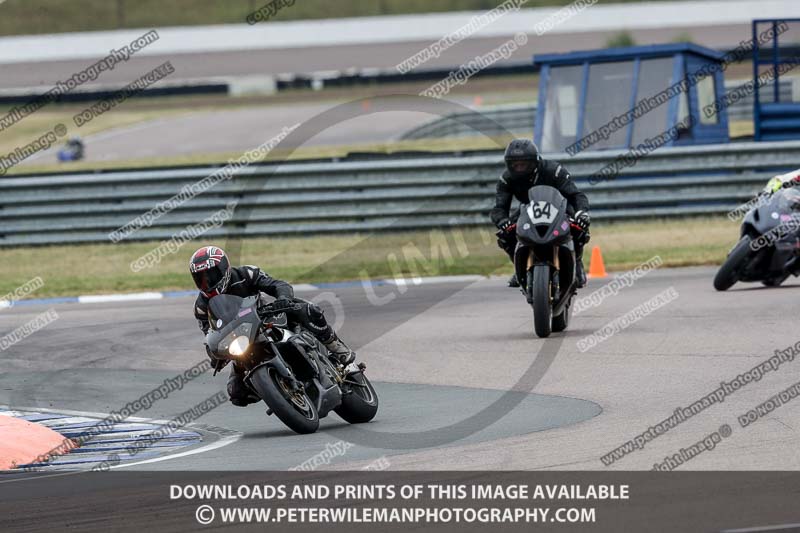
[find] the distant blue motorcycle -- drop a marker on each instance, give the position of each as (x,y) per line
(72,150)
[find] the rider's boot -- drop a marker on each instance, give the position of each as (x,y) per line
(513,281)
(580,273)
(339,350)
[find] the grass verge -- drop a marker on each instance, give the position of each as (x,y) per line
(105,268)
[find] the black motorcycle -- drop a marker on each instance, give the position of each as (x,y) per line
(769,247)
(286,367)
(545,259)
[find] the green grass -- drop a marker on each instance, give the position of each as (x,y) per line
(105,268)
(19,17)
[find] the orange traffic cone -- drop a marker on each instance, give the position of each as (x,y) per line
(597,269)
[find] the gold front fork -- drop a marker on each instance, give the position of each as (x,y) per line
(556,262)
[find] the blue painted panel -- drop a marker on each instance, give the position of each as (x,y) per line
(704,133)
(582,100)
(773,121)
(544,79)
(629,53)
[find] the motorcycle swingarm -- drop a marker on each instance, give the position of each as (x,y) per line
(327,394)
(326,399)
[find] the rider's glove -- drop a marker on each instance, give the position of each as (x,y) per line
(582,219)
(505,224)
(284,302)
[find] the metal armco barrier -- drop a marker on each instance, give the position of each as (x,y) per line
(516,118)
(389,193)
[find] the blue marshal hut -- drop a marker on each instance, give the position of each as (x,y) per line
(640,97)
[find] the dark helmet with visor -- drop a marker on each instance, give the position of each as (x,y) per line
(522,159)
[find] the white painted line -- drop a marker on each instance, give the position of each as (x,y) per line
(781,527)
(91,414)
(434,279)
(301,287)
(305,287)
(100,298)
(4,304)
(69,420)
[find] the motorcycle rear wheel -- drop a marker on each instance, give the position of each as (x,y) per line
(775,282)
(561,322)
(360,404)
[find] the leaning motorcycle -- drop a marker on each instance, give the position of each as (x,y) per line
(769,245)
(544,259)
(286,367)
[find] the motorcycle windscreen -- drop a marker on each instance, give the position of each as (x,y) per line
(547,194)
(223,309)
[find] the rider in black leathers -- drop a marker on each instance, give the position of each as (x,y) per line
(214,275)
(524,169)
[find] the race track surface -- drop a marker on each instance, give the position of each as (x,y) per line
(463,382)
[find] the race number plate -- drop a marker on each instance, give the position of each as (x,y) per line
(542,212)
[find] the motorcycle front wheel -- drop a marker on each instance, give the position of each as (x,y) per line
(728,273)
(542,305)
(295,409)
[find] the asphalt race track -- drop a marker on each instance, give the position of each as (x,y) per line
(463,382)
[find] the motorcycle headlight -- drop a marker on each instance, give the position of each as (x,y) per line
(237,341)
(239,346)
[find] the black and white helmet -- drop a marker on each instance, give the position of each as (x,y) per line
(210,270)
